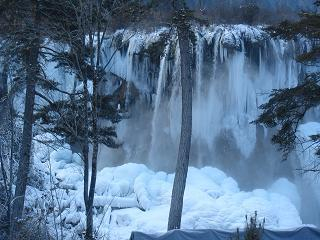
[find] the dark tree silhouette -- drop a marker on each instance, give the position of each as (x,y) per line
(286,108)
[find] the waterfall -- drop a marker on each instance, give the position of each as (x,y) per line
(199,64)
(235,68)
(198,89)
(154,124)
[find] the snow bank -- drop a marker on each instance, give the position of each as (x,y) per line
(132,197)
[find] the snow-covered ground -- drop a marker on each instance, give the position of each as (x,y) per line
(132,197)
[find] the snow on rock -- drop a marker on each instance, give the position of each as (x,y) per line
(62,154)
(132,197)
(230,35)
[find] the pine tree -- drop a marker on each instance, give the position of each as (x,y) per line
(83,26)
(22,40)
(287,107)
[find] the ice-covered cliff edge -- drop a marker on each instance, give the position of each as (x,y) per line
(234,66)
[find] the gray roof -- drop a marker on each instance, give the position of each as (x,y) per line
(303,233)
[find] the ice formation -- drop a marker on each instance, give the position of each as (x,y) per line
(235,67)
(133,197)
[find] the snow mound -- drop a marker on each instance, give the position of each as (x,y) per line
(132,197)
(285,187)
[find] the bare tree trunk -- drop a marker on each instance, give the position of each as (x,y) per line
(85,148)
(31,61)
(4,81)
(12,151)
(4,104)
(186,123)
(89,230)
(95,137)
(4,173)
(24,163)
(4,92)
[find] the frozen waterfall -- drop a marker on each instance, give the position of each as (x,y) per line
(235,67)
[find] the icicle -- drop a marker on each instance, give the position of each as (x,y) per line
(161,82)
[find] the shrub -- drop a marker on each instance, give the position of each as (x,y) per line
(253,230)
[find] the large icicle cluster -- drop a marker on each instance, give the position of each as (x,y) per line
(235,66)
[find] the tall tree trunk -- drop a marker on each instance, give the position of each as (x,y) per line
(95,137)
(32,67)
(85,147)
(78,50)
(89,230)
(186,122)
(4,91)
(12,151)
(4,80)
